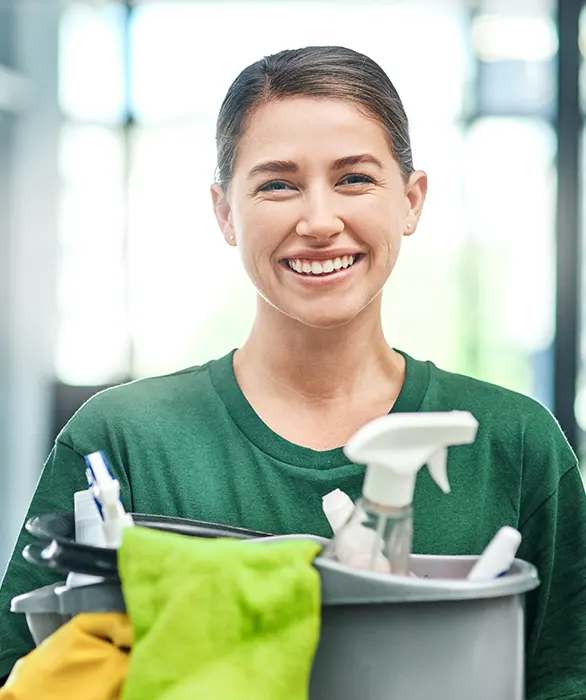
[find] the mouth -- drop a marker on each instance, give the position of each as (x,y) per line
(322,268)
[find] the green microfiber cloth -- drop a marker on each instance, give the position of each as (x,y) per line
(219,619)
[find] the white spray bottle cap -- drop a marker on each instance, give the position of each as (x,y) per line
(396,446)
(337,507)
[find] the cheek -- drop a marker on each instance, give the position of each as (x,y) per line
(380,226)
(257,241)
(263,227)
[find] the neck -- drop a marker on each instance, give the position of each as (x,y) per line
(322,365)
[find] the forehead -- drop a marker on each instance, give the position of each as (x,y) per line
(303,127)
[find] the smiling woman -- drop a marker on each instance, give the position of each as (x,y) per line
(316,188)
(331,192)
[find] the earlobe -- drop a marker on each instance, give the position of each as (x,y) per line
(223,214)
(416,192)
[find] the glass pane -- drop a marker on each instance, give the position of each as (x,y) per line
(201,47)
(421,311)
(516,77)
(479,273)
(92,335)
(191,299)
(509,181)
(91,50)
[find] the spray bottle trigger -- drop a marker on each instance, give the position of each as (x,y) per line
(437,465)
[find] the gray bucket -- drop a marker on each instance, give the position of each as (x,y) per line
(382,636)
(437,636)
(48,608)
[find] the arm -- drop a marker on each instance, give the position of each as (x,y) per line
(554,540)
(63,475)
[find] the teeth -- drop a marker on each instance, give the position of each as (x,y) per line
(313,267)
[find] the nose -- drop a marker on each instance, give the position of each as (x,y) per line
(319,220)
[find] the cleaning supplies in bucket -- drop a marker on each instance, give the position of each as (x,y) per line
(355,551)
(106,492)
(379,530)
(497,558)
(88,530)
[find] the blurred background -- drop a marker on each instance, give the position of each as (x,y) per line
(111,264)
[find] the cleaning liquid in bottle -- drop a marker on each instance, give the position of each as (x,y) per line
(378,534)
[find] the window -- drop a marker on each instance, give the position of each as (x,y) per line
(473,290)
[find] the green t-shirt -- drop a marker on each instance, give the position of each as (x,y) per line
(190,445)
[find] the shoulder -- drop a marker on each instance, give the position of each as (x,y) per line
(460,388)
(518,439)
(506,416)
(141,403)
(490,400)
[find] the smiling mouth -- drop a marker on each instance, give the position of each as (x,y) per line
(321,267)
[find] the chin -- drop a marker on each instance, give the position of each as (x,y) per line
(325,314)
(324,320)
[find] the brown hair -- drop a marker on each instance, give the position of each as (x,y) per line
(315,71)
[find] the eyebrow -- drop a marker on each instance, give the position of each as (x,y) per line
(274,166)
(288,166)
(349,161)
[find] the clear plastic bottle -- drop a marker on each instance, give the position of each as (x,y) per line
(375,538)
(378,533)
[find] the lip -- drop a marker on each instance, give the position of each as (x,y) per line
(326,280)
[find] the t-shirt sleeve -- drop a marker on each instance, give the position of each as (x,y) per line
(63,474)
(554,540)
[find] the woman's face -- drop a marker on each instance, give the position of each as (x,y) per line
(318,208)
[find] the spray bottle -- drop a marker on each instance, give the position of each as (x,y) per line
(378,534)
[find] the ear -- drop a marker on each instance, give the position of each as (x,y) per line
(223,214)
(415,193)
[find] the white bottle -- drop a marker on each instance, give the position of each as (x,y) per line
(394,448)
(106,491)
(497,558)
(88,530)
(337,507)
(354,550)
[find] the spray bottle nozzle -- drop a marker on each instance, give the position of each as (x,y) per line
(396,446)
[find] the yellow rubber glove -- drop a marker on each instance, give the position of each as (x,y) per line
(86,658)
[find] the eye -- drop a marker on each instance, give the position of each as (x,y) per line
(274,186)
(356,179)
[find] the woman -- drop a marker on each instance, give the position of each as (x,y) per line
(317,188)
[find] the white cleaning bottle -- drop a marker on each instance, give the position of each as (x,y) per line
(88,530)
(355,550)
(337,507)
(106,492)
(394,448)
(497,558)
